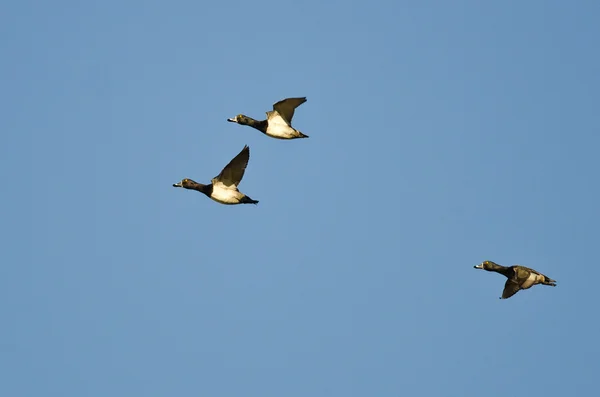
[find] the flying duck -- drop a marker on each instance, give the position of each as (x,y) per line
(519,277)
(279,120)
(223,188)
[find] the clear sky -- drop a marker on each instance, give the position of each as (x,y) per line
(442,134)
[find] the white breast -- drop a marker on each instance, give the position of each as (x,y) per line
(279,128)
(225,196)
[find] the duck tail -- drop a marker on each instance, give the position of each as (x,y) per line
(549,281)
(301,135)
(248,200)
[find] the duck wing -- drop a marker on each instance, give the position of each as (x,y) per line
(286,108)
(231,176)
(510,288)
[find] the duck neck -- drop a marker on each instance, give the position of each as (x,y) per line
(259,125)
(494,267)
(206,189)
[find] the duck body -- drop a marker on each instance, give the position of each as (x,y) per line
(227,196)
(528,277)
(224,188)
(518,277)
(217,193)
(278,124)
(279,128)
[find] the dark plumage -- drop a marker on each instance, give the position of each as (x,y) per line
(223,188)
(279,121)
(519,277)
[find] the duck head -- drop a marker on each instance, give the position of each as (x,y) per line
(185,183)
(486,265)
(240,119)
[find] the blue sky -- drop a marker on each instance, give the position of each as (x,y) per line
(441,134)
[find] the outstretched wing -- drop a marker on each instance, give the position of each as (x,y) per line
(287,106)
(510,288)
(232,174)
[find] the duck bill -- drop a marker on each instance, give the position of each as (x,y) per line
(178,184)
(232,120)
(480,266)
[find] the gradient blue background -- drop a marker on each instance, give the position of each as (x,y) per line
(442,134)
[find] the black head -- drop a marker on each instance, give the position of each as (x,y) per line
(240,119)
(486,265)
(186,183)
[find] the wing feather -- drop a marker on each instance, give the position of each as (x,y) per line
(510,288)
(232,174)
(286,107)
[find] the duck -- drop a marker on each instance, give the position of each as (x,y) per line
(279,120)
(519,277)
(224,187)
